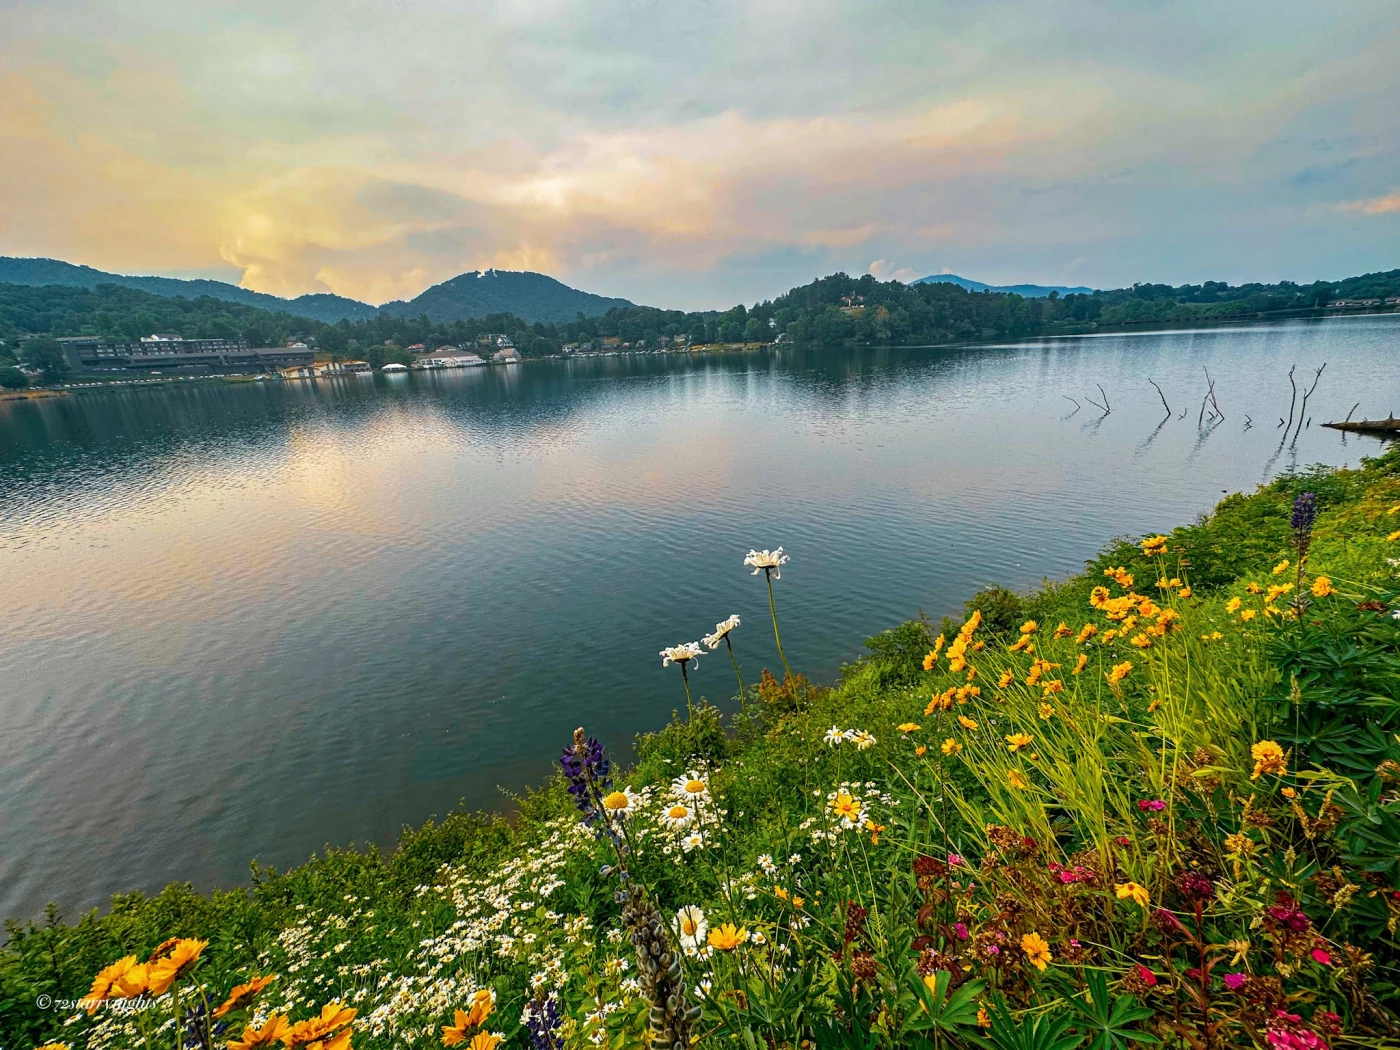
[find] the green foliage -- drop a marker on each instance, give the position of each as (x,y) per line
(1110,1020)
(12,378)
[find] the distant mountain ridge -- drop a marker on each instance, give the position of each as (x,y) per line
(1028,291)
(530,296)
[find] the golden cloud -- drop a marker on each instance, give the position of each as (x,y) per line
(1375,205)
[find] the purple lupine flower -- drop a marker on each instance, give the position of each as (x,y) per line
(542,1020)
(586,770)
(1304,512)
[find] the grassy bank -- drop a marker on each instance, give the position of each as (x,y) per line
(1156,804)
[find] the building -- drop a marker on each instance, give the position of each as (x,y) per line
(174,353)
(448,357)
(506,355)
(306,371)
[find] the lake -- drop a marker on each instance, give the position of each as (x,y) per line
(247,620)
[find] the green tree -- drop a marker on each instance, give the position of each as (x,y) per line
(46,354)
(12,378)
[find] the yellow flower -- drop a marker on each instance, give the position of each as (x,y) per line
(1036,949)
(104,984)
(908,727)
(951,747)
(874,830)
(164,971)
(1119,672)
(1016,779)
(1063,631)
(1393,536)
(1185,592)
(984,1019)
(1253,588)
(1277,591)
(54,1046)
(920,750)
(1233,604)
(1141,641)
(966,723)
(1268,758)
(1019,644)
(846,807)
(1007,677)
(1322,587)
(483,1002)
(1132,891)
(1081,663)
(1029,627)
(485,1041)
(1016,741)
(456,1033)
(1046,712)
(1248,615)
(243,994)
(1052,687)
(1154,545)
(317,1029)
(1281,567)
(1085,633)
(797,902)
(728,937)
(274,1030)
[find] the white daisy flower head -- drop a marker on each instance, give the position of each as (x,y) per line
(862,739)
(834,736)
(766,863)
(691,927)
(722,630)
(691,788)
(679,654)
(678,816)
(767,561)
(695,840)
(796,858)
(621,805)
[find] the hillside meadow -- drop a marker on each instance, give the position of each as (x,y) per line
(1157,804)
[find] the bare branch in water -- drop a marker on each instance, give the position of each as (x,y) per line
(1353,409)
(1292,401)
(1162,396)
(1303,410)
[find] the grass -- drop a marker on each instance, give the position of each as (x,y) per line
(1181,828)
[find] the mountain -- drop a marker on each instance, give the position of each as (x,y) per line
(531,296)
(39,272)
(478,293)
(1029,291)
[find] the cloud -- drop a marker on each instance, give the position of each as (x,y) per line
(1376,205)
(888,271)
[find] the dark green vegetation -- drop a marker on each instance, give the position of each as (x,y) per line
(1270,879)
(836,310)
(531,296)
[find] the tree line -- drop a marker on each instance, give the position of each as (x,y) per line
(834,310)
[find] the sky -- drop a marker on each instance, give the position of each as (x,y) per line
(701,153)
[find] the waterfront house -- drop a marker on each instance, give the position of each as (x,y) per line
(506,355)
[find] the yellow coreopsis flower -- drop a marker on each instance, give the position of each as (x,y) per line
(1322,587)
(1046,712)
(274,1030)
(920,751)
(1037,950)
(1269,757)
(1029,627)
(1016,741)
(181,958)
(485,1041)
(1085,633)
(728,937)
(966,723)
(1081,663)
(1141,641)
(1281,567)
(243,994)
(1007,677)
(1063,630)
(1017,779)
(1248,615)
(1393,536)
(908,727)
(1233,604)
(1132,891)
(1119,672)
(1154,545)
(1185,592)
(950,747)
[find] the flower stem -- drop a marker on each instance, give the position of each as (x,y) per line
(768,575)
(686,679)
(737,674)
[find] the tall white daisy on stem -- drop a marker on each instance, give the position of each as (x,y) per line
(723,630)
(770,563)
(682,655)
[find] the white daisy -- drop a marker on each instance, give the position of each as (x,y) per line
(722,630)
(767,561)
(691,788)
(694,840)
(691,927)
(678,816)
(766,863)
(621,804)
(862,739)
(834,736)
(679,654)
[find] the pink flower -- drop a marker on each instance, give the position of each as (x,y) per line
(1287,1032)
(1148,977)
(955,860)
(961,930)
(1123,840)
(1236,981)
(1156,805)
(1321,956)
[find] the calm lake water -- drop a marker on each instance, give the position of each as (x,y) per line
(245,621)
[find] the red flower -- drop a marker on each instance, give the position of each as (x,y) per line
(1148,977)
